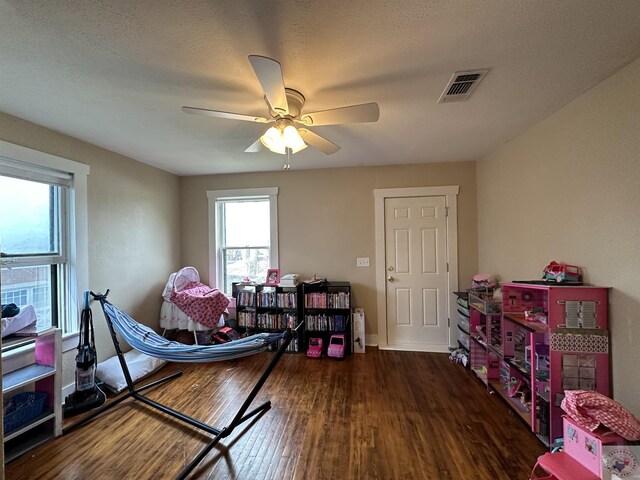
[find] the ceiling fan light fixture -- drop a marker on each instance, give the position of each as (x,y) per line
(272,139)
(292,139)
(281,137)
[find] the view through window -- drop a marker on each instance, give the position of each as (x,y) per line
(43,235)
(31,240)
(245,240)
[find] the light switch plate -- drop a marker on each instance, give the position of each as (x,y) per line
(362,262)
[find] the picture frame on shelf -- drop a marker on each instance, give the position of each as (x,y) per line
(273,277)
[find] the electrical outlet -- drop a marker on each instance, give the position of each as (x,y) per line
(362,262)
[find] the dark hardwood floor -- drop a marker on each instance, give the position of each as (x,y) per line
(381,415)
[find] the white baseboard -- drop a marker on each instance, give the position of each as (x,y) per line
(371,340)
(68,390)
(410,347)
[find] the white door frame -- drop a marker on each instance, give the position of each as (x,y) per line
(451,195)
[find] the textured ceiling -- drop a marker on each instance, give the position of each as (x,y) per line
(115,73)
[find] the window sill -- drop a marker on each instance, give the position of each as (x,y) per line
(16,351)
(70,341)
(20,356)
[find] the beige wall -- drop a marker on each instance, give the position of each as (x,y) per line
(569,190)
(134,234)
(326,219)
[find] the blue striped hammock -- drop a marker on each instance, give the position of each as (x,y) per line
(147,341)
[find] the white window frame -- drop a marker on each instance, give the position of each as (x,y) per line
(77,253)
(214,198)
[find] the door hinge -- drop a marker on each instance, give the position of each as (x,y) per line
(447,266)
(446,211)
(448,322)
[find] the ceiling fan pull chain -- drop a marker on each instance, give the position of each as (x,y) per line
(287,165)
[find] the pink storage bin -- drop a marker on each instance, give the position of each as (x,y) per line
(560,466)
(585,446)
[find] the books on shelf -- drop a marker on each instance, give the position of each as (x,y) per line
(326,300)
(338,300)
(287,300)
(266,299)
(247,319)
(246,299)
(326,323)
(276,321)
(294,346)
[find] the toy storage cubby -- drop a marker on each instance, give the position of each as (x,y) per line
(327,311)
(464,322)
(245,296)
(552,338)
(266,308)
(521,379)
(486,334)
(35,386)
(288,310)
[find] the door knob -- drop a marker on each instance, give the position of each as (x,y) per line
(390,278)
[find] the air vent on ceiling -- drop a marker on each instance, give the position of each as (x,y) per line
(461,85)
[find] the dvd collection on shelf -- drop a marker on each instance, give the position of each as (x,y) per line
(269,308)
(246,319)
(288,299)
(324,322)
(294,346)
(323,306)
(276,321)
(245,298)
(266,298)
(326,300)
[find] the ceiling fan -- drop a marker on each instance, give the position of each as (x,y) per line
(290,134)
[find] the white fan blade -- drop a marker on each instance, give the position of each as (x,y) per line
(227,115)
(269,75)
(254,147)
(367,112)
(316,141)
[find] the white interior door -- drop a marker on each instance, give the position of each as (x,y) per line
(416,273)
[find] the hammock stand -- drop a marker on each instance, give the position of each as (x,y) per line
(218,433)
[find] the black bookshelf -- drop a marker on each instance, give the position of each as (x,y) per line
(265,308)
(327,311)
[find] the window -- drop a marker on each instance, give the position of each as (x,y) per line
(242,235)
(43,234)
(33,257)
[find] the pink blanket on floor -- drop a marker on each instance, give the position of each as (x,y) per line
(202,303)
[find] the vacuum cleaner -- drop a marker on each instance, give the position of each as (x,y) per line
(87,394)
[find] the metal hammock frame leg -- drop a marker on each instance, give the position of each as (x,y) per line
(219,433)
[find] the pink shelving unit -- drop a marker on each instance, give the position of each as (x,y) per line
(537,342)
